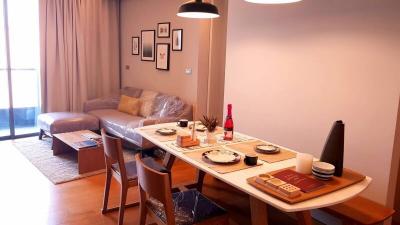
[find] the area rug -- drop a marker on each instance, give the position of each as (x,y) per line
(58,169)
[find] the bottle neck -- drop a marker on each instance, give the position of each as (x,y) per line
(229,111)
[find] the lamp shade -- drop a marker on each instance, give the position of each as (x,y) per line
(198,9)
(272,1)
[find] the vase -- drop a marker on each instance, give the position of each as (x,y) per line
(333,152)
(210,137)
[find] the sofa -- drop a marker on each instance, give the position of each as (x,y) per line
(164,108)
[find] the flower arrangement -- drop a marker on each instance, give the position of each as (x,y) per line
(210,123)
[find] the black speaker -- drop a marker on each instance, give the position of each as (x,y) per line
(333,152)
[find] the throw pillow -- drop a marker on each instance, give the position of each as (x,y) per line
(147,99)
(129,105)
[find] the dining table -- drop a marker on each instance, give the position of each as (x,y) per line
(259,200)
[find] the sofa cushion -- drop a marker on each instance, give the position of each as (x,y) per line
(168,106)
(147,101)
(114,121)
(60,122)
(129,105)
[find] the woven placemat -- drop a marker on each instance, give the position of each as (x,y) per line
(163,138)
(249,147)
(220,168)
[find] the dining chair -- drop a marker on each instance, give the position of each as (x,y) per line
(123,172)
(179,208)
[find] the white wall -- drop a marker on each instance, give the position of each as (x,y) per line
(292,70)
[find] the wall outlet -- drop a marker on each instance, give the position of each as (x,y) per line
(188,71)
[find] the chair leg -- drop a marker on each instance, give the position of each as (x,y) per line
(41,133)
(106,192)
(143,208)
(124,192)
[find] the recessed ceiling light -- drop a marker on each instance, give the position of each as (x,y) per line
(272,1)
(198,9)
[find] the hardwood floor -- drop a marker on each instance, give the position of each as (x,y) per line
(27,197)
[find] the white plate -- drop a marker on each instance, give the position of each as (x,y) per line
(166,131)
(221,156)
(267,148)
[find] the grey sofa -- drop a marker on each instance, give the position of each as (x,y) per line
(166,108)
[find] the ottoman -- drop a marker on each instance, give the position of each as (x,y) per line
(62,122)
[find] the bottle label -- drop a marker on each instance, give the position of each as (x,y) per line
(228,135)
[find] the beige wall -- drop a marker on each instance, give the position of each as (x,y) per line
(217,61)
(292,70)
(137,15)
(208,68)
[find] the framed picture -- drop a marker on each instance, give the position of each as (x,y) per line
(177,39)
(163,30)
(135,45)
(148,45)
(162,61)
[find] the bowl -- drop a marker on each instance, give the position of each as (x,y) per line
(323,167)
(322,176)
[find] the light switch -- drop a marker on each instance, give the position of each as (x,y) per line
(188,71)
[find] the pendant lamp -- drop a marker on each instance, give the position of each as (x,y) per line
(198,9)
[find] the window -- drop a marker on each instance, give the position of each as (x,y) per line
(19,67)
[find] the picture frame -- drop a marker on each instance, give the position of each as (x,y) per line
(163,56)
(135,45)
(177,40)
(148,42)
(164,30)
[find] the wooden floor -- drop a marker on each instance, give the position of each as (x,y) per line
(27,197)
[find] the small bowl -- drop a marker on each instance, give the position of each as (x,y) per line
(323,167)
(323,172)
(322,176)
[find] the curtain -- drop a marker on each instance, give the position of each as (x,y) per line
(79,52)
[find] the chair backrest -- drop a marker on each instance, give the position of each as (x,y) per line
(156,185)
(113,153)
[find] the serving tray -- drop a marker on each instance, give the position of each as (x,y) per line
(348,178)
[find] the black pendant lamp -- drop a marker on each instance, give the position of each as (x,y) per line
(198,9)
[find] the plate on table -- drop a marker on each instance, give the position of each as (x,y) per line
(166,131)
(267,149)
(199,127)
(221,156)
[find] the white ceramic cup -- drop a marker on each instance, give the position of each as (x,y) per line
(304,163)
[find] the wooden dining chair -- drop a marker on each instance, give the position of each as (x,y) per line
(179,208)
(124,173)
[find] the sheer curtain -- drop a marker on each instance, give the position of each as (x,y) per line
(79,54)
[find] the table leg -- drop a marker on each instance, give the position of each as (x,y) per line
(200,179)
(259,213)
(58,146)
(304,217)
(91,159)
(168,162)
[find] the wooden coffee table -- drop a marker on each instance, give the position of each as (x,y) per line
(89,159)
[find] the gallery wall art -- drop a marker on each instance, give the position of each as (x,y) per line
(148,45)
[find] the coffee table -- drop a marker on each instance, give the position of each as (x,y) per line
(89,159)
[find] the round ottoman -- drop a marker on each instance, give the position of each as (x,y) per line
(62,122)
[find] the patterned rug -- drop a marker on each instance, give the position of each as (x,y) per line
(58,169)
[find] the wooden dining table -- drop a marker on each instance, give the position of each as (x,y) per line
(259,200)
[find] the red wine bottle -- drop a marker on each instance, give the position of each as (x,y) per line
(228,126)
